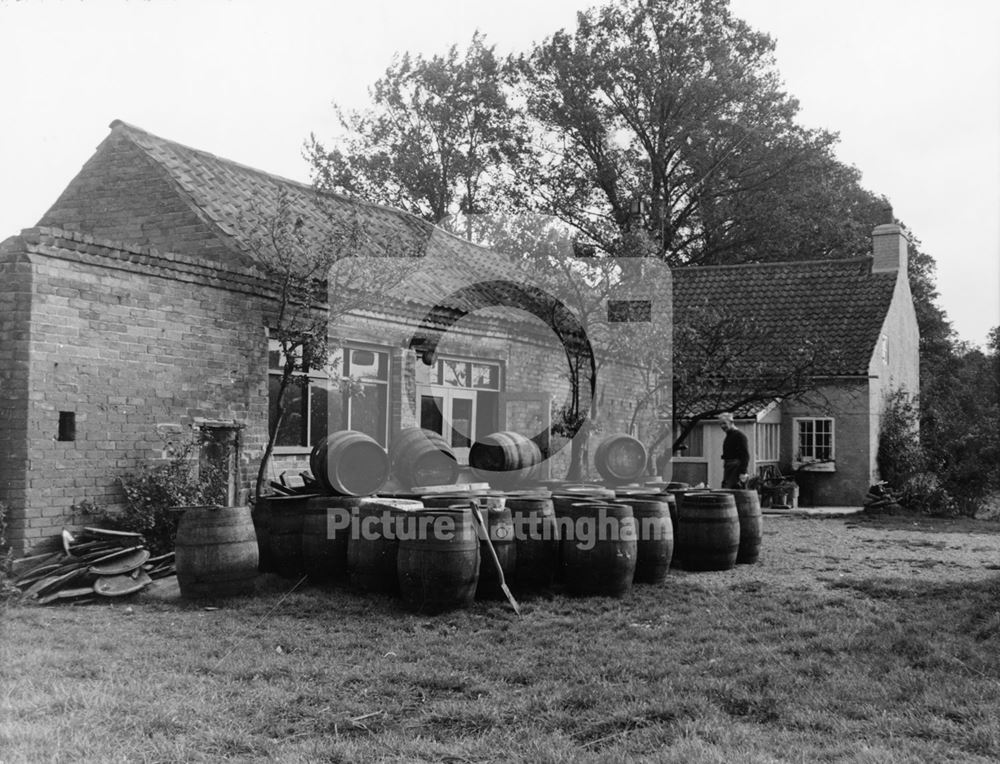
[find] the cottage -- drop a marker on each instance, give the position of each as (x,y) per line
(860,312)
(134,313)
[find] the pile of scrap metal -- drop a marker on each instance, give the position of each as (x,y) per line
(879,499)
(94,563)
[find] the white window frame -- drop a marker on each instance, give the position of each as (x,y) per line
(810,461)
(274,345)
(368,381)
(448,392)
(327,375)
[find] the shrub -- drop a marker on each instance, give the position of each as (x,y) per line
(152,495)
(924,492)
(900,455)
(6,557)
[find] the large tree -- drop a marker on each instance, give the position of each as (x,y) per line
(673,109)
(435,140)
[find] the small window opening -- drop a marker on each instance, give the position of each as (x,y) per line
(67,425)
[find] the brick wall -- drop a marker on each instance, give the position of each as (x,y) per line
(124,349)
(847,485)
(122,195)
(15,310)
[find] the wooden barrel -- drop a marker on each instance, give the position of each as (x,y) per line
(373,544)
(438,566)
(751,525)
(536,539)
(708,530)
(563,502)
(620,459)
(285,538)
(422,457)
(260,513)
(216,552)
(505,459)
(349,463)
(654,538)
(326,527)
(500,524)
(672,506)
(598,558)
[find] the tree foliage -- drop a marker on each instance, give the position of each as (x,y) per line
(434,141)
(665,117)
(676,109)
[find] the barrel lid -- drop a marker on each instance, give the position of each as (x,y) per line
(403,505)
(119,586)
(123,564)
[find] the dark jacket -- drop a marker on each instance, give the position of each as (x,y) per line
(735,446)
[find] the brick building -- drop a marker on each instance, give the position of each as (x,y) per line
(134,313)
(859,312)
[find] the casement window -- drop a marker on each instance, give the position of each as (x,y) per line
(366,397)
(461,401)
(814,442)
(350,393)
(768,442)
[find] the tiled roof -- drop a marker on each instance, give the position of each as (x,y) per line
(229,195)
(839,305)
(81,248)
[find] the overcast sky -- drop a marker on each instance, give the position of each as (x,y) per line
(912,86)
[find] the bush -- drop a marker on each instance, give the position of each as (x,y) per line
(900,455)
(152,495)
(6,557)
(924,492)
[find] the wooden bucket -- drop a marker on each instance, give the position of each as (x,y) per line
(505,459)
(349,463)
(438,566)
(422,457)
(215,552)
(708,530)
(599,559)
(620,459)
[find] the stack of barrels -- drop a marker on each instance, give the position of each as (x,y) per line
(429,550)
(717,529)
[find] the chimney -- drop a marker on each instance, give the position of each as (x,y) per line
(889,248)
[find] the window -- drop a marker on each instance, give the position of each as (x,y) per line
(814,441)
(695,442)
(324,404)
(367,404)
(462,401)
(768,442)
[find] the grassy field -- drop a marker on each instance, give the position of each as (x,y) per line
(752,665)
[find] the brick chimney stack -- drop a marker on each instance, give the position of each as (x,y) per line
(889,248)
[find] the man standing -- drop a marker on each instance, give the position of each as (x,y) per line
(735,454)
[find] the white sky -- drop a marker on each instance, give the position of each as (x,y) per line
(912,86)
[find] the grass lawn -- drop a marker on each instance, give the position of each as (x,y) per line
(799,658)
